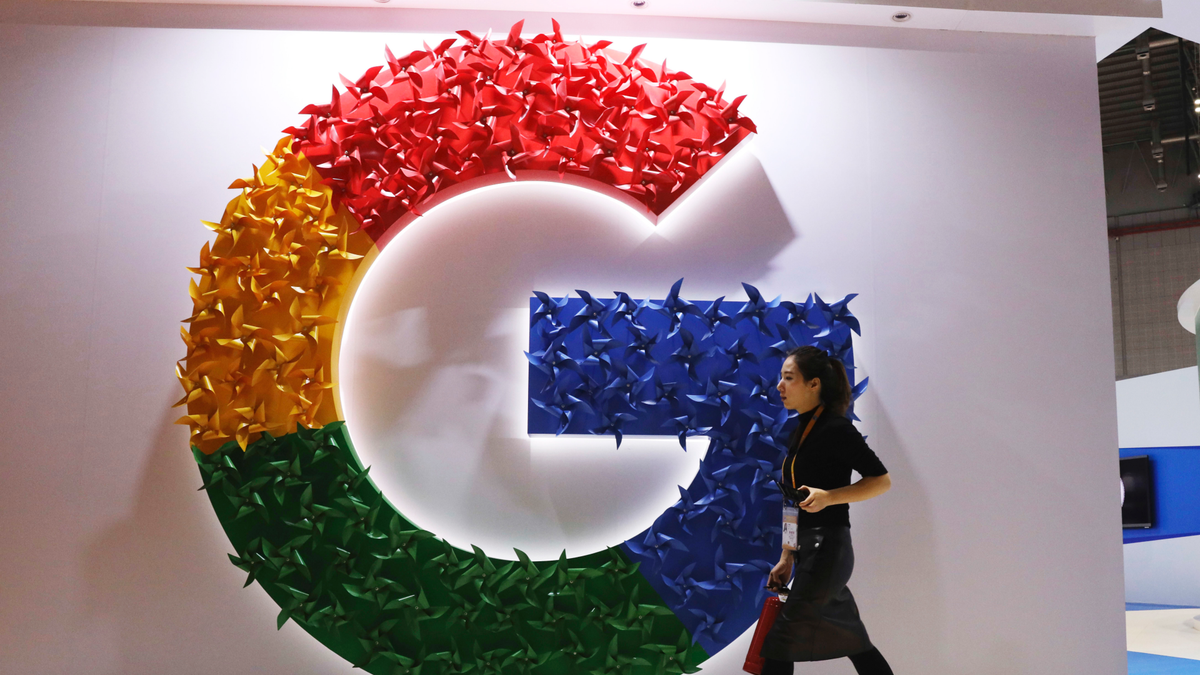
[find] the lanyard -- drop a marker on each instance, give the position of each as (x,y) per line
(803,436)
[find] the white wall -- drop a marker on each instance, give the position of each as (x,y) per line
(1160,410)
(1163,571)
(955,181)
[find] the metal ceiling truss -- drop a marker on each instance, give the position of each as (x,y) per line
(1150,99)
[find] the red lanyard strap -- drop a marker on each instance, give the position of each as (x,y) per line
(803,436)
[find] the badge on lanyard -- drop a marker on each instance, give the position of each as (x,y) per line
(791,515)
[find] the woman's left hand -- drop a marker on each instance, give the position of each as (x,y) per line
(817,499)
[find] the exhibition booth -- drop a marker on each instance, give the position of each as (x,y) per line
(540,273)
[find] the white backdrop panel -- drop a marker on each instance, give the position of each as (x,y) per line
(957,187)
(1154,411)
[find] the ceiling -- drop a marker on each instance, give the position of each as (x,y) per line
(1144,8)
(1129,8)
(1068,17)
(1150,125)
(1133,98)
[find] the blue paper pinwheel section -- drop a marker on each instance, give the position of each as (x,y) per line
(621,366)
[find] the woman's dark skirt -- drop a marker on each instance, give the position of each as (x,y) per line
(820,620)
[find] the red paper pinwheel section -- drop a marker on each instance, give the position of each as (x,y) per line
(444,115)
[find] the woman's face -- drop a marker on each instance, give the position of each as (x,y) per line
(795,392)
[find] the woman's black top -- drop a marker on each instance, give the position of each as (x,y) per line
(833,448)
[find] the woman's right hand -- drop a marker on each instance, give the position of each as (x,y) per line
(781,574)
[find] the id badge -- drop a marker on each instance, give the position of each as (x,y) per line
(791,515)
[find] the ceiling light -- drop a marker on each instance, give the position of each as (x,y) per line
(901,17)
(638,3)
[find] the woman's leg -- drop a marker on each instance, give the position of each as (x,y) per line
(773,667)
(868,663)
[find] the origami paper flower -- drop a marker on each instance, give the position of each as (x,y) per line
(720,484)
(565,407)
(305,519)
(623,308)
(639,617)
(548,309)
(838,349)
(761,485)
(727,523)
(612,423)
(684,585)
(664,392)
(763,390)
(260,334)
(685,510)
(838,312)
(690,351)
(798,312)
(785,346)
(757,309)
(657,544)
(622,383)
(553,361)
(641,342)
(442,116)
(591,313)
(709,625)
(673,659)
(720,394)
(616,663)
(768,429)
(689,387)
(723,445)
(763,534)
(713,317)
(675,308)
(594,350)
(737,352)
(684,426)
(856,391)
(261,330)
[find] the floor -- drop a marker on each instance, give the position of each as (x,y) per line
(1162,639)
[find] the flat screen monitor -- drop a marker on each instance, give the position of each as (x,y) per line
(1137,492)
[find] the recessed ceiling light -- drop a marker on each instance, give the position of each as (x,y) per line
(901,17)
(383,2)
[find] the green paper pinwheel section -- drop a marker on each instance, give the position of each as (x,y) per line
(313,530)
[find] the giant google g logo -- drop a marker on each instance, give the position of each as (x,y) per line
(259,377)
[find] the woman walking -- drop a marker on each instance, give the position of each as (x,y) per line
(819,620)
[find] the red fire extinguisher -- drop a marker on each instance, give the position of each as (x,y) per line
(754,662)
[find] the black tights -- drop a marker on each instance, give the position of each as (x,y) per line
(866,663)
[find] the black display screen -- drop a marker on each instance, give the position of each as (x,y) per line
(1137,494)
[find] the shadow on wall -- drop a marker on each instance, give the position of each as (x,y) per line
(896,567)
(173,603)
(452,412)
(161,579)
(454,279)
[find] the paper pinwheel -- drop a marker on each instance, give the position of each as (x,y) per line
(305,520)
(710,547)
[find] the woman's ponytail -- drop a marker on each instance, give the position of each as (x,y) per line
(835,386)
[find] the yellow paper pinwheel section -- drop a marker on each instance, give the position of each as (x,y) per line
(266,306)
